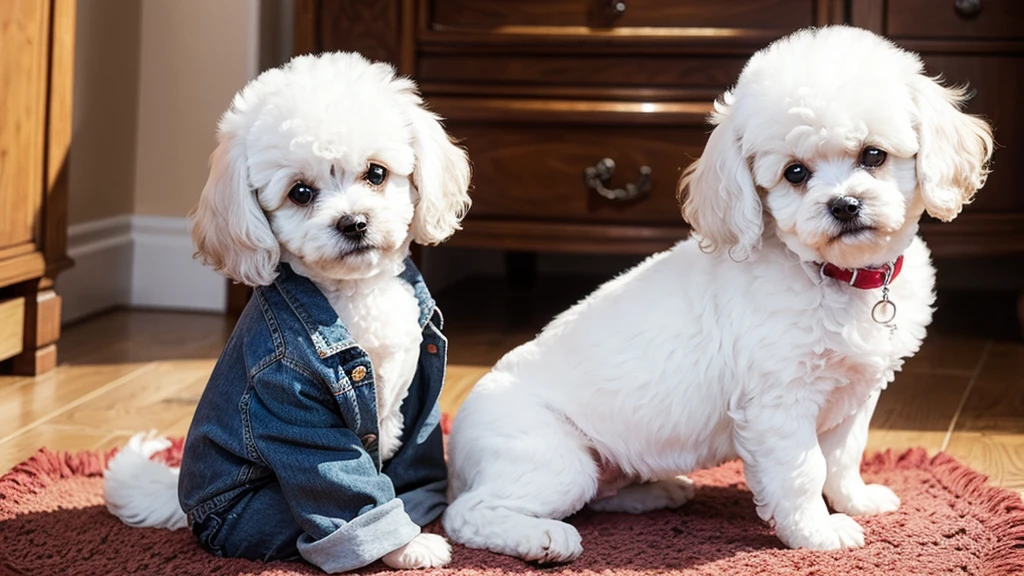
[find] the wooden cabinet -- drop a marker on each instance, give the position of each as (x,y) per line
(540,90)
(36,61)
(979,43)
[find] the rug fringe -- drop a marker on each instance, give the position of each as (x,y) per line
(44,468)
(1006,522)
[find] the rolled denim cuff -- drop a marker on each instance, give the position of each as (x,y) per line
(367,538)
(426,503)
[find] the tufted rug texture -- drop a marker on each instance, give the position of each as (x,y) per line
(52,521)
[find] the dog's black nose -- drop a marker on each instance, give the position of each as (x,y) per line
(845,208)
(352,226)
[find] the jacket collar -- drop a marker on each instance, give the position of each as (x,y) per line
(326,330)
(428,306)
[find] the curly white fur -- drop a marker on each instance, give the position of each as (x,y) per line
(733,344)
(322,120)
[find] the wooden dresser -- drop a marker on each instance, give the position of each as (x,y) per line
(37,40)
(579,115)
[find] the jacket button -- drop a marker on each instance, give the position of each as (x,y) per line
(432,348)
(368,440)
(358,373)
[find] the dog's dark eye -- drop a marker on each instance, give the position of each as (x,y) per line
(301,193)
(796,173)
(376,174)
(872,157)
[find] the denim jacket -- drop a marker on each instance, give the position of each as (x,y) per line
(282,454)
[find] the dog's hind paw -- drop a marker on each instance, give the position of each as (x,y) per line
(423,551)
(642,498)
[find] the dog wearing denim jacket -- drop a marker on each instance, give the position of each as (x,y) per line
(318,433)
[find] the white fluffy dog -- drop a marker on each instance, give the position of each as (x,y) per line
(768,337)
(331,165)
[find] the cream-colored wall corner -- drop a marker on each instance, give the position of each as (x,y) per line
(102,170)
(195,55)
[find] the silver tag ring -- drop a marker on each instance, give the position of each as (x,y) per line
(876,310)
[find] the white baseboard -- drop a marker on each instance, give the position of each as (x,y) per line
(102,275)
(136,260)
(164,273)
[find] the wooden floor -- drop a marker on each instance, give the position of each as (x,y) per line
(127,371)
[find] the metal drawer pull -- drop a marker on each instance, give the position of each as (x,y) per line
(967,8)
(596,176)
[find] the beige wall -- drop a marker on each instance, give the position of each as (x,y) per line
(195,54)
(151,79)
(102,170)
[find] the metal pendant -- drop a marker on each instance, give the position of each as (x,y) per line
(884,311)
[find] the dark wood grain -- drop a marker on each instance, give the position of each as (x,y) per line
(407,48)
(868,14)
(514,110)
(306,33)
(587,26)
(536,171)
(373,29)
(998,82)
(998,19)
(487,14)
(539,89)
(702,96)
(717,72)
(975,232)
(555,236)
(599,41)
(987,54)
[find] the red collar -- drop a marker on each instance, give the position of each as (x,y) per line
(864,278)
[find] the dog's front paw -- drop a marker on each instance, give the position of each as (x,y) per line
(848,533)
(423,551)
(869,499)
(833,533)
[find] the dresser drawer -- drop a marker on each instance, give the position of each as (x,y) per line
(484,15)
(711,73)
(535,170)
(950,19)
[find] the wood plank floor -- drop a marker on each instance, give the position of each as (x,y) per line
(127,371)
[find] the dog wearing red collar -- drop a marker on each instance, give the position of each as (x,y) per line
(768,336)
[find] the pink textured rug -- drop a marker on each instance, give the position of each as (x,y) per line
(52,521)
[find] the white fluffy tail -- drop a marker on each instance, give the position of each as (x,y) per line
(140,492)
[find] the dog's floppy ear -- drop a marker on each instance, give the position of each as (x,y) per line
(952,162)
(229,230)
(718,195)
(441,176)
